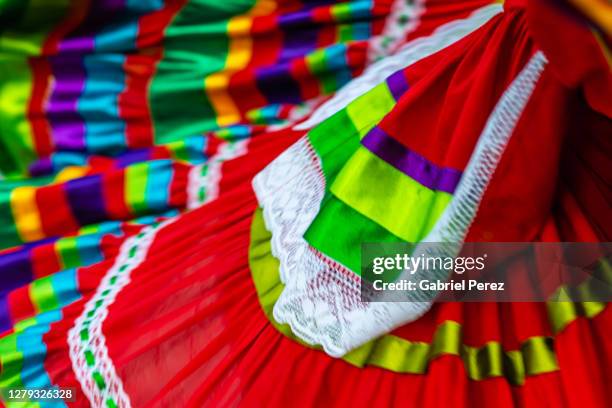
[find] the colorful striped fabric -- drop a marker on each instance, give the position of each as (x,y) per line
(102,77)
(118,114)
(119,124)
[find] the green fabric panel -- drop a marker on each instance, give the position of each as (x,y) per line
(367,110)
(535,356)
(334,140)
(384,194)
(195,46)
(341,241)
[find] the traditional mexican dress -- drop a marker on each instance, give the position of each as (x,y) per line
(189,234)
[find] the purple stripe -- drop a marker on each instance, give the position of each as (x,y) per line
(6,322)
(277,84)
(300,34)
(15,269)
(41,167)
(397,84)
(86,199)
(294,20)
(70,76)
(135,156)
(67,124)
(410,163)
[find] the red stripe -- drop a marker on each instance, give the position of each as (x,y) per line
(20,304)
(133,101)
(212,145)
(139,70)
(113,186)
(45,260)
(268,41)
(356,56)
(309,85)
(152,26)
(180,180)
(55,215)
(244,92)
(41,74)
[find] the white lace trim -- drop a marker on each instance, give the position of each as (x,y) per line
(321,301)
(88,351)
(203,185)
(410,53)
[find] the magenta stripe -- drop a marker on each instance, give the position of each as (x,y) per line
(410,163)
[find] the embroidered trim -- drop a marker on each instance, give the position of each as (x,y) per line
(321,300)
(91,363)
(87,344)
(404,17)
(204,179)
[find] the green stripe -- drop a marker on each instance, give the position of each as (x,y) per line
(369,109)
(341,241)
(8,228)
(68,251)
(42,294)
(11,360)
(334,140)
(136,187)
(195,46)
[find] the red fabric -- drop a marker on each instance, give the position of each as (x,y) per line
(576,55)
(453,92)
(188,329)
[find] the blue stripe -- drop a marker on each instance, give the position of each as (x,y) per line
(157,190)
(89,249)
(30,344)
(97,105)
(65,286)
